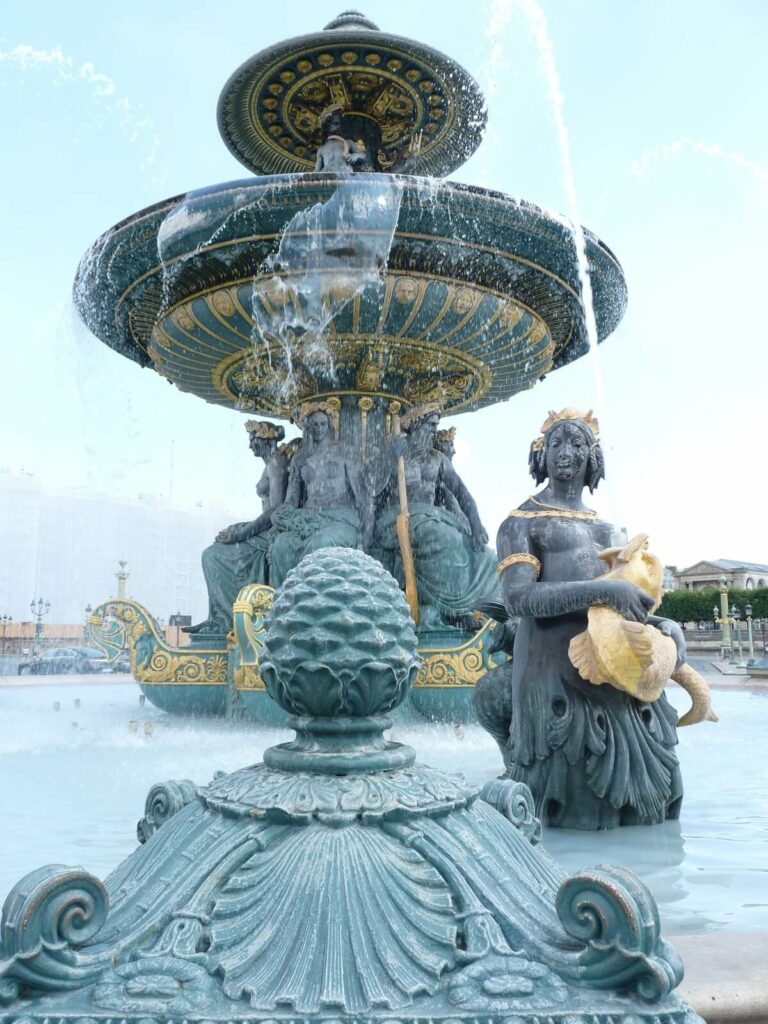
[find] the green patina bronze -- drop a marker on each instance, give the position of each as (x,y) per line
(341,879)
(479,297)
(342,289)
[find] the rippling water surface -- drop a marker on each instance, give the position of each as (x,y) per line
(73,783)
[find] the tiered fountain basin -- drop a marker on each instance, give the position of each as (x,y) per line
(478,297)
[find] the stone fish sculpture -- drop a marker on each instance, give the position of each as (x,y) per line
(633,656)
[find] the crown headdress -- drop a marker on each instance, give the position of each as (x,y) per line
(307,408)
(445,435)
(289,449)
(568,413)
(334,108)
(264,429)
(419,413)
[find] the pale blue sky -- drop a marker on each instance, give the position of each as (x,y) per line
(109,108)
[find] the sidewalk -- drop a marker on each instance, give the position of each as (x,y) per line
(726,975)
(722,675)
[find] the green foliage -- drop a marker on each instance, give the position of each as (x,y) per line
(697,605)
(689,605)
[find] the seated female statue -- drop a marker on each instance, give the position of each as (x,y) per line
(238,555)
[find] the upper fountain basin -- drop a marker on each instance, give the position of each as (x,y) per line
(422,291)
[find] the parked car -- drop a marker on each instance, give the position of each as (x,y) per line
(61,660)
(122,663)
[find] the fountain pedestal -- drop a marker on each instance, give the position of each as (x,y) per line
(340,878)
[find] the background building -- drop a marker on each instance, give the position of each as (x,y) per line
(65,548)
(738,575)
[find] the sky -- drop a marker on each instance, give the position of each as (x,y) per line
(646,120)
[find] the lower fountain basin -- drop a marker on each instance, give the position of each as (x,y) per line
(73,792)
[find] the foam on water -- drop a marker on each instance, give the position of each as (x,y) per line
(73,795)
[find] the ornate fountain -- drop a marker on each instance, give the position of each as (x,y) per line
(345,276)
(340,880)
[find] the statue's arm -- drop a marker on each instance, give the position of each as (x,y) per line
(673,630)
(447,499)
(293,490)
(452,482)
(278,480)
(525,596)
(231,534)
(363,499)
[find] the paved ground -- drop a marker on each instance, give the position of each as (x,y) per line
(726,975)
(70,678)
(721,675)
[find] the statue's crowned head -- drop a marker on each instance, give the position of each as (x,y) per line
(445,441)
(263,437)
(311,412)
(567,420)
(265,430)
(418,414)
(330,118)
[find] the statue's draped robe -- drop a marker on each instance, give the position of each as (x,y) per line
(228,568)
(452,575)
(297,531)
(593,756)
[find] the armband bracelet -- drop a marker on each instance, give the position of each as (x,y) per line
(519,557)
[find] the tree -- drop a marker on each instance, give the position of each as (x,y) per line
(698,605)
(690,605)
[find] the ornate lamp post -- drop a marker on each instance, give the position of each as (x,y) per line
(736,616)
(5,619)
(122,578)
(748,615)
(39,608)
(88,611)
(726,644)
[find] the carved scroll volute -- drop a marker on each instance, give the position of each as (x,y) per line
(614,914)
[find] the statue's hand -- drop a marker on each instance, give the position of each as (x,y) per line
(225,536)
(280,515)
(630,601)
(673,630)
(479,536)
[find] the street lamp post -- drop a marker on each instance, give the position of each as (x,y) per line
(88,611)
(6,620)
(726,644)
(736,616)
(748,614)
(122,578)
(39,608)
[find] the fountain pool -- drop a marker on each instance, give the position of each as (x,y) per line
(73,793)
